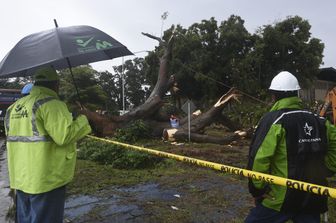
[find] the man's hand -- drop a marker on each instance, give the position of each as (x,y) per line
(259,199)
(82,107)
(80,110)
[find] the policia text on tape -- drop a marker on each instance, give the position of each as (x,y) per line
(298,185)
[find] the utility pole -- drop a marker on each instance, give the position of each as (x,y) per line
(123,79)
(123,85)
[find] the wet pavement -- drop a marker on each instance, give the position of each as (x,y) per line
(154,202)
(6,200)
(125,205)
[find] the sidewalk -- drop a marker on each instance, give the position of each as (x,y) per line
(6,201)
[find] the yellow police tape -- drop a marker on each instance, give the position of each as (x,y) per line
(298,185)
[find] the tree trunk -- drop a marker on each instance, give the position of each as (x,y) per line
(205,119)
(182,135)
(200,122)
(163,84)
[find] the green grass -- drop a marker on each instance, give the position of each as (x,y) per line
(91,177)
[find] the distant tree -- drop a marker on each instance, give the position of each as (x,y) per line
(4,83)
(111,84)
(136,86)
(14,83)
(286,45)
(186,62)
(235,43)
(91,94)
(205,58)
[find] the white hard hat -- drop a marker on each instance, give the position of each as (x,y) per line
(284,81)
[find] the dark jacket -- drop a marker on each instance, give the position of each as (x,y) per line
(296,144)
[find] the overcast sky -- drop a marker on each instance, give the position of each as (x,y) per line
(126,19)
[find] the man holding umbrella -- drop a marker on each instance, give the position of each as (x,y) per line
(41,143)
(41,133)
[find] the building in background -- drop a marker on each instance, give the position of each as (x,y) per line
(326,80)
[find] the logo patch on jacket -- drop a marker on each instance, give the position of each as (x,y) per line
(307,129)
(20,111)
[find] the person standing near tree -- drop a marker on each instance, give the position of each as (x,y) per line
(174,121)
(292,143)
(41,144)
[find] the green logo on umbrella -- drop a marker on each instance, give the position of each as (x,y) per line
(83,43)
(87,44)
(102,44)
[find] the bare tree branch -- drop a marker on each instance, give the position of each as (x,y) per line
(153,37)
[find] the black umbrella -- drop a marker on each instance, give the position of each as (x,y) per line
(61,47)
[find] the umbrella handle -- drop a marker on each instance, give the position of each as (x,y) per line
(72,76)
(74,82)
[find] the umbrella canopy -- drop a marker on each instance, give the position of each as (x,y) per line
(61,47)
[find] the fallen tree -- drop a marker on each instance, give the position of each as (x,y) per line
(198,123)
(149,111)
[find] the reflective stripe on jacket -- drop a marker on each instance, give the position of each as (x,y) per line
(41,141)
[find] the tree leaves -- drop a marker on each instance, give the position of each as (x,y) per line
(207,56)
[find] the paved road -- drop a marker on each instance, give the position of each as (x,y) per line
(6,201)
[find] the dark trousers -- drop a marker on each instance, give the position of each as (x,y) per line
(261,214)
(40,208)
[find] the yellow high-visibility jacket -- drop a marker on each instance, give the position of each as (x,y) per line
(41,141)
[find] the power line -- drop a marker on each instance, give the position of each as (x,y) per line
(221,83)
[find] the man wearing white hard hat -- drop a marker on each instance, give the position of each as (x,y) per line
(292,143)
